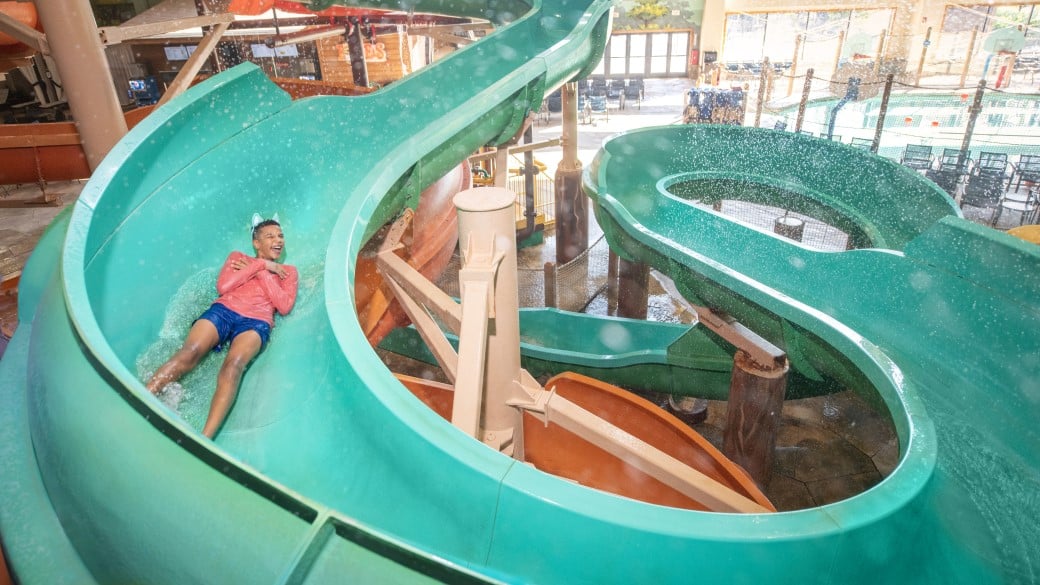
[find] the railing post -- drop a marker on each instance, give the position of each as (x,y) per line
(967,56)
(924,53)
(794,64)
(763,76)
(973,114)
(882,111)
(612,283)
(549,272)
(805,100)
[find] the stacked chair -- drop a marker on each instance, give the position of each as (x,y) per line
(950,170)
(917,157)
(986,182)
(1023,202)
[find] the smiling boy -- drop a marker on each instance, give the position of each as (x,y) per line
(251,289)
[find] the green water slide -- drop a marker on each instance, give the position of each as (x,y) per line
(937,319)
(328,470)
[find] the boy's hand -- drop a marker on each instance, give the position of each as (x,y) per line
(275,268)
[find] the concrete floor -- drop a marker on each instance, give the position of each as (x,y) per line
(20,228)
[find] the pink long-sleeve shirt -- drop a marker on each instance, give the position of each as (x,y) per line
(254,291)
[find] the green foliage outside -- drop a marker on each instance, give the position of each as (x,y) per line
(648,11)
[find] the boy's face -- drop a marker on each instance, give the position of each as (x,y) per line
(269,242)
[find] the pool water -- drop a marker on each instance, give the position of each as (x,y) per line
(1007,123)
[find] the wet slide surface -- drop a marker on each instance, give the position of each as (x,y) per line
(938,318)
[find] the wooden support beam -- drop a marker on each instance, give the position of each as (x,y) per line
(641,455)
(24,34)
(113,35)
(31,140)
(194,63)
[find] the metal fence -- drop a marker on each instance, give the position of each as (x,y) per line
(576,282)
(544,197)
(941,116)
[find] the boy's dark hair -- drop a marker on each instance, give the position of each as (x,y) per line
(263,224)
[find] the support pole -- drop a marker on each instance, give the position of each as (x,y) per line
(887,93)
(794,64)
(763,81)
(202,10)
(633,289)
(924,53)
(194,64)
(572,214)
(549,273)
(76,49)
(612,283)
(804,101)
(356,49)
(880,52)
(756,400)
(837,54)
(973,114)
(487,227)
(967,56)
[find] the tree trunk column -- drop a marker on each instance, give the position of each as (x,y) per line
(572,212)
(633,289)
(356,50)
(76,49)
(756,400)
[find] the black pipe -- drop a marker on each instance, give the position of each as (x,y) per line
(882,112)
(529,173)
(973,114)
(851,94)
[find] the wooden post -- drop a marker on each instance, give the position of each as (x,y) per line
(804,101)
(837,54)
(549,271)
(756,400)
(572,213)
(924,53)
(969,129)
(356,49)
(633,289)
(880,52)
(794,64)
(967,56)
(882,112)
(763,77)
(612,283)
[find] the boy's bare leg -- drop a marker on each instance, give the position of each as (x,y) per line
(201,338)
(243,349)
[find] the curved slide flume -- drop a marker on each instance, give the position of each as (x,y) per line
(327,467)
(938,319)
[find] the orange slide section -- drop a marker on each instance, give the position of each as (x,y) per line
(428,245)
(552,449)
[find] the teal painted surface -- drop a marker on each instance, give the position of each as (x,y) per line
(1002,114)
(634,354)
(329,471)
(944,329)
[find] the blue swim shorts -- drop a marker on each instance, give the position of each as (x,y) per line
(230,325)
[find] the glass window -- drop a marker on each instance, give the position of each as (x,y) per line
(637,54)
(618,50)
(679,50)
